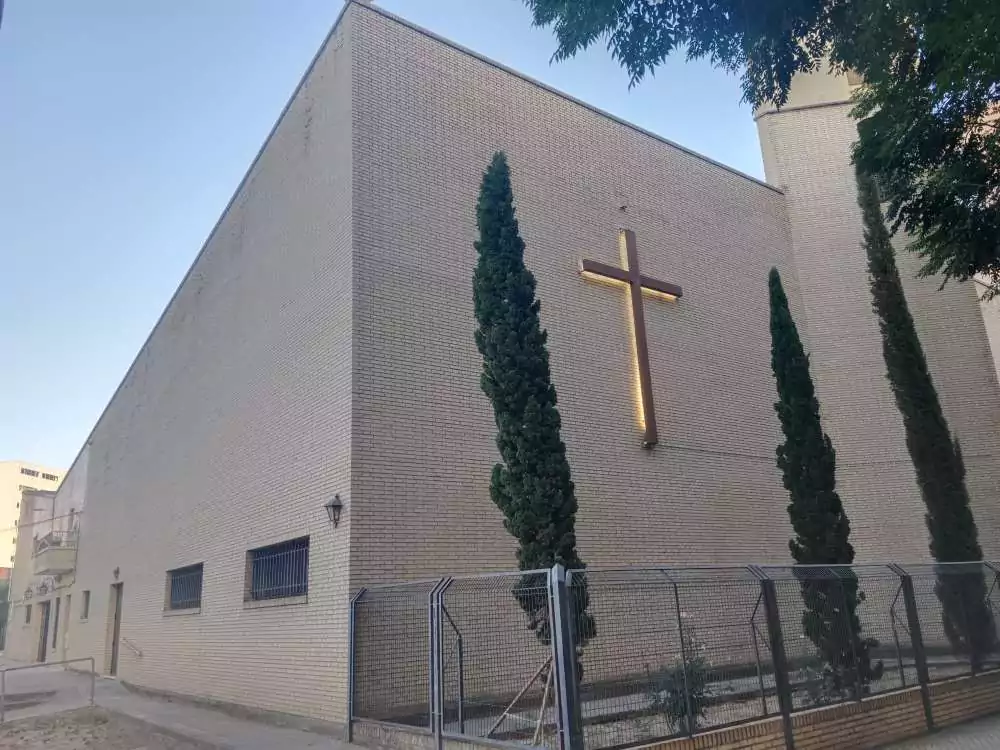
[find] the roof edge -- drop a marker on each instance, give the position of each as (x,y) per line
(215,228)
(561,94)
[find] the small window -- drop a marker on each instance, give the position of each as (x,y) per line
(50,477)
(85,606)
(854,78)
(27,614)
(184,587)
(278,570)
(29,472)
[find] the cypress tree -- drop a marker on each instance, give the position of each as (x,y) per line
(808,466)
(936,456)
(531,485)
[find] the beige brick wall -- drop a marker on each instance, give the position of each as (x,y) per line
(231,431)
(965,699)
(805,153)
(991,317)
(428,117)
(874,722)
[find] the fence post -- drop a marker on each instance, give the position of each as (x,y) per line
(684,660)
(781,684)
(435,662)
(917,639)
(858,691)
(351,645)
(564,660)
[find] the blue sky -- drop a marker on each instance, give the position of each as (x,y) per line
(125,127)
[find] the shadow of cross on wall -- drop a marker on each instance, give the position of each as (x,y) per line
(637,284)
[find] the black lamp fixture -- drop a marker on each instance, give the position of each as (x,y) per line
(333,509)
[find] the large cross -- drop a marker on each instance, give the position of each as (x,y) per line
(631,277)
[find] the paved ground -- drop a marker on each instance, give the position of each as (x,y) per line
(34,694)
(86,728)
(977,735)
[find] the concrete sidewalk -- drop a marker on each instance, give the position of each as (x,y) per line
(206,725)
(46,691)
(982,734)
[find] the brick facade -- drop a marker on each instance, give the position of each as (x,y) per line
(322,343)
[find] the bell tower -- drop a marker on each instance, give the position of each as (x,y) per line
(806,148)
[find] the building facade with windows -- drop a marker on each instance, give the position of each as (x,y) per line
(17,477)
(306,417)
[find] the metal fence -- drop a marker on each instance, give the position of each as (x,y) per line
(605,659)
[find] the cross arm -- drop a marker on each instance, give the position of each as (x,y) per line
(664,287)
(603,269)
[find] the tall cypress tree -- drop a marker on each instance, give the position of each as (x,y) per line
(531,485)
(808,466)
(936,456)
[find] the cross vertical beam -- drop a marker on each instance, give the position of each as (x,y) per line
(632,277)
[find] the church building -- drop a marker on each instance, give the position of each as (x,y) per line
(306,417)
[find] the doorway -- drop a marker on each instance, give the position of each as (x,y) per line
(55,628)
(67,619)
(116,625)
(43,640)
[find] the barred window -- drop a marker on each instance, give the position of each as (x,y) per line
(29,472)
(85,606)
(184,587)
(278,570)
(50,477)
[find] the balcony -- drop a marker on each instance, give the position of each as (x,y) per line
(55,553)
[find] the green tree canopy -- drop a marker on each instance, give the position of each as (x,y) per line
(932,76)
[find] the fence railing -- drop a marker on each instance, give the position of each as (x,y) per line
(40,667)
(58,538)
(605,659)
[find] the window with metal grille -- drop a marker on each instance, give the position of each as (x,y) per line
(50,477)
(85,606)
(278,570)
(29,472)
(184,587)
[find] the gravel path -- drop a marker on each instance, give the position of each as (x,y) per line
(89,729)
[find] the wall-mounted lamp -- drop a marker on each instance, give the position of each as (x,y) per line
(333,509)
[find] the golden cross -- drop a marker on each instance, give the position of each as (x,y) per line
(631,277)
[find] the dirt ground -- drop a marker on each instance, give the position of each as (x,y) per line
(89,729)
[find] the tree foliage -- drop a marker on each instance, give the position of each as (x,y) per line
(928,126)
(937,457)
(808,468)
(531,485)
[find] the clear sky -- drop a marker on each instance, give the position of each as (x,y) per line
(126,125)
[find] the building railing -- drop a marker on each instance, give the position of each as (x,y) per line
(59,539)
(6,670)
(602,659)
